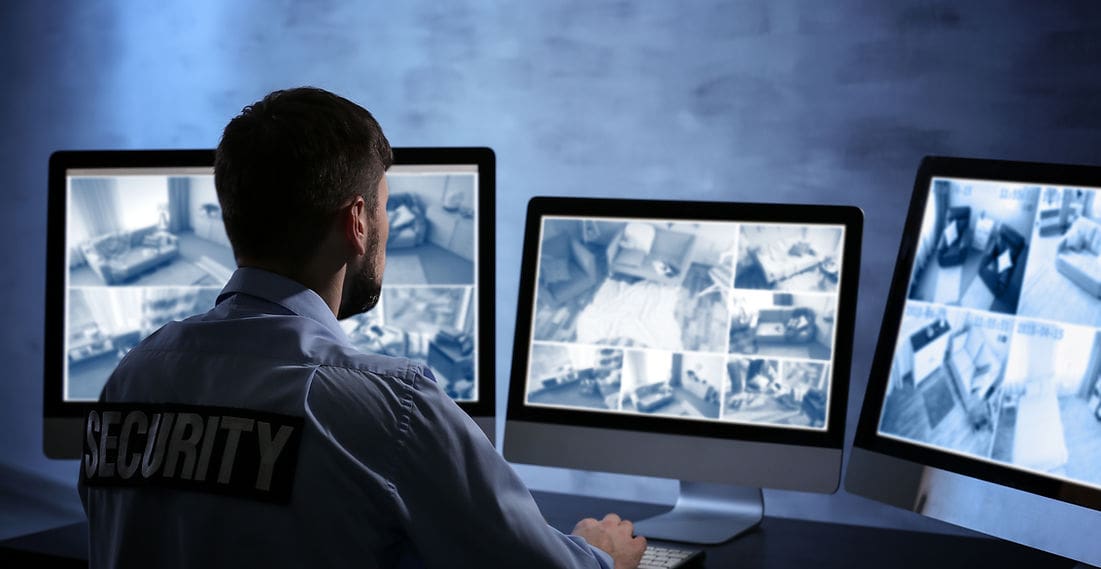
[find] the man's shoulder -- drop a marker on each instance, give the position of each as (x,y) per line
(347,362)
(284,337)
(277,340)
(365,402)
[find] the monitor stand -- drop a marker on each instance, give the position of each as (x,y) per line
(706,514)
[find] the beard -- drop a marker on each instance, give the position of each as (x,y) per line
(363,287)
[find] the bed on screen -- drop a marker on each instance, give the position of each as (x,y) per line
(632,314)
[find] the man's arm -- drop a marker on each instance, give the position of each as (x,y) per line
(464,506)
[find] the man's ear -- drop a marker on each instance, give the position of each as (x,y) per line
(355,225)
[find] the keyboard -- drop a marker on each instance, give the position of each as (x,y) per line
(658,557)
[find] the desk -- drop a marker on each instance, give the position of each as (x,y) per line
(66,546)
(786,543)
(777,542)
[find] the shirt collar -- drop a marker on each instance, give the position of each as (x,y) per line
(285,292)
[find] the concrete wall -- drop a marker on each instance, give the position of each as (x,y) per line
(745,100)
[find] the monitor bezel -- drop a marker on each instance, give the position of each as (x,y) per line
(540,207)
(867,435)
(486,161)
(54,404)
(62,161)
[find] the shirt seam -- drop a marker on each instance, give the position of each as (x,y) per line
(339,448)
(404,425)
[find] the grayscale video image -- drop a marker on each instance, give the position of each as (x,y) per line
(1048,417)
(107,322)
(575,376)
(947,380)
(975,241)
(771,392)
(635,283)
(789,258)
(1062,280)
(672,384)
(147,231)
(783,324)
(432,227)
(435,325)
(1021,392)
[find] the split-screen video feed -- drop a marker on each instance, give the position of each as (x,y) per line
(716,321)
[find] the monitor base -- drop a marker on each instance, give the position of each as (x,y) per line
(706,514)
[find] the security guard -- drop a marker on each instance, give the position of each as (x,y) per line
(255,435)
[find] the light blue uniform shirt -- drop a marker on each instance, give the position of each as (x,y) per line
(388,469)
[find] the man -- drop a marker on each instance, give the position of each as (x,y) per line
(256,435)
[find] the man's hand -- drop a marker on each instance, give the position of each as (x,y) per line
(614,536)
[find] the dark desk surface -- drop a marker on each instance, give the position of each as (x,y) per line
(787,543)
(778,542)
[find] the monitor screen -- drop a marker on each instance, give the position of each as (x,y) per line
(712,331)
(143,246)
(998,353)
(686,319)
(429,306)
(136,240)
(984,403)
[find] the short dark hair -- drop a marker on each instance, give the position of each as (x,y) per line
(288,163)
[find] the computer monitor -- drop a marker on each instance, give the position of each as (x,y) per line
(438,293)
(982,408)
(704,342)
(135,239)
